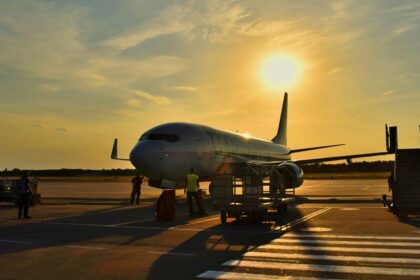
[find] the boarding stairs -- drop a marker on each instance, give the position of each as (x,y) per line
(406,185)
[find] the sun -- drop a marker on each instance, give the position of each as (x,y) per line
(280,71)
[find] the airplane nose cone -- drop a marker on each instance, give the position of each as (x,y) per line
(143,157)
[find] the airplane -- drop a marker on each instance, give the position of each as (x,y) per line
(166,153)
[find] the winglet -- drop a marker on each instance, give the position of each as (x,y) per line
(281,136)
(114,153)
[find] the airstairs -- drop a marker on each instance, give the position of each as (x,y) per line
(406,182)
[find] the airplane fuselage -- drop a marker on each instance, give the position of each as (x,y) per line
(169,150)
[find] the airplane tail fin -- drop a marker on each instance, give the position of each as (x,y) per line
(281,136)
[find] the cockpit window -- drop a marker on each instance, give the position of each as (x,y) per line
(165,137)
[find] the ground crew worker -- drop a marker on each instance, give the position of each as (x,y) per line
(136,191)
(192,187)
(24,192)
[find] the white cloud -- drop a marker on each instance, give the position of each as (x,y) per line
(161,100)
(389,92)
(186,88)
(333,71)
(49,88)
(134,102)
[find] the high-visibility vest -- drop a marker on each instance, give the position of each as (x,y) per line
(192,182)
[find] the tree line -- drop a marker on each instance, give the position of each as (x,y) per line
(364,166)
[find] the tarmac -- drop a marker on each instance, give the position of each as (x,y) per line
(336,229)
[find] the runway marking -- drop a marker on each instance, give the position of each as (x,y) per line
(330,258)
(142,221)
(315,229)
(85,247)
(325,268)
(193,223)
(340,249)
(366,188)
(350,209)
(373,243)
(383,237)
(156,228)
(170,253)
(287,226)
(226,275)
(14,241)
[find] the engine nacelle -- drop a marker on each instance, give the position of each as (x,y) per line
(292,173)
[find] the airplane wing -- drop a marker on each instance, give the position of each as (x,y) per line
(314,148)
(346,157)
(318,160)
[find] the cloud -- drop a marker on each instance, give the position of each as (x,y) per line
(333,71)
(134,102)
(49,88)
(136,37)
(161,100)
(389,92)
(60,129)
(186,88)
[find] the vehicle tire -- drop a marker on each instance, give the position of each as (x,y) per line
(223,216)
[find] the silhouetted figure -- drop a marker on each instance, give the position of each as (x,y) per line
(136,191)
(192,187)
(24,192)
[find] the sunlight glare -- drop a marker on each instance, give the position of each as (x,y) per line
(280,71)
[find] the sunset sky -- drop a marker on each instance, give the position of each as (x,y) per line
(76,74)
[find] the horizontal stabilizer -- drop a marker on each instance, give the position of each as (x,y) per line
(114,153)
(314,148)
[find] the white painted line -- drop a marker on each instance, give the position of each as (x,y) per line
(169,253)
(331,258)
(349,209)
(340,249)
(85,247)
(288,226)
(331,242)
(133,222)
(315,229)
(193,223)
(14,241)
(211,274)
(366,188)
(143,221)
(326,268)
(156,228)
(375,237)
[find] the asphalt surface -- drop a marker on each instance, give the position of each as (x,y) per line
(336,229)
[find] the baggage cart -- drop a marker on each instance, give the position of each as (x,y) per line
(250,192)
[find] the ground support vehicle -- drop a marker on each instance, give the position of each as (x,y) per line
(250,191)
(9,191)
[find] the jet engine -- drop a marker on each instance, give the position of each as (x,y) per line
(292,174)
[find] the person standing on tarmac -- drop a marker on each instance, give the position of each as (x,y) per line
(192,187)
(24,192)
(136,191)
